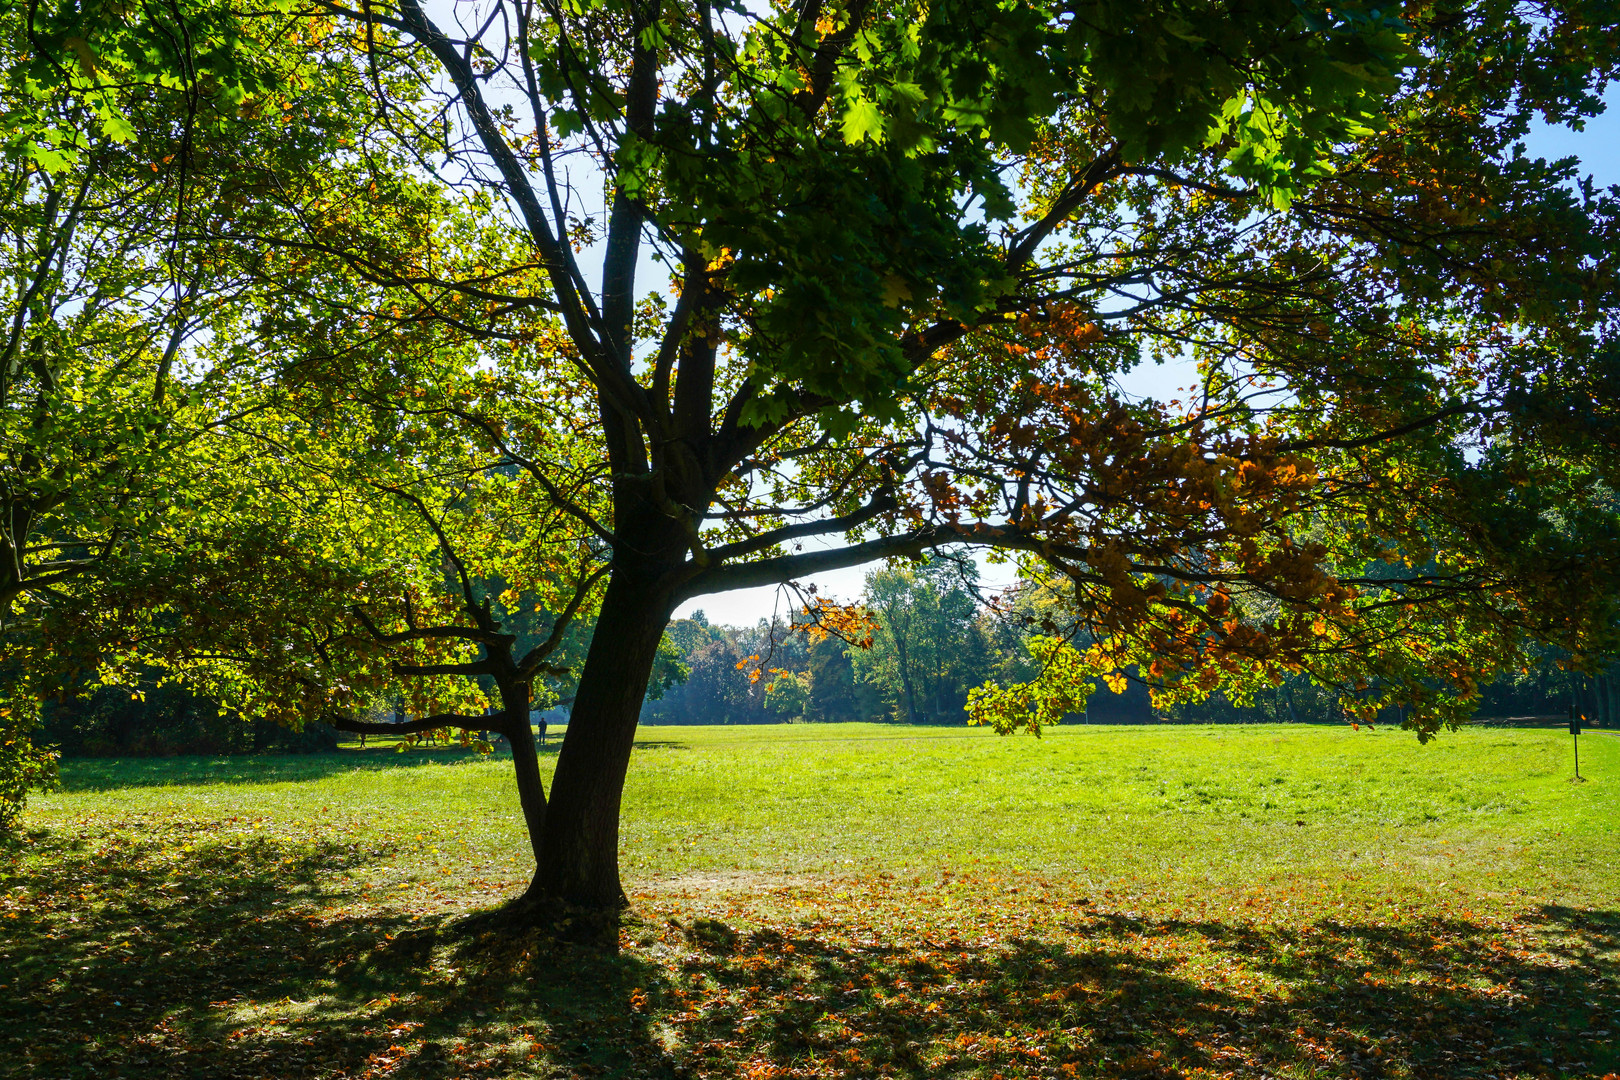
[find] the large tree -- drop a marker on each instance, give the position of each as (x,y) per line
(869,272)
(927,646)
(105,294)
(135,292)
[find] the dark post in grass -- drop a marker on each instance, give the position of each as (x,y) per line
(1575,719)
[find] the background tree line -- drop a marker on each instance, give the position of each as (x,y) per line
(933,639)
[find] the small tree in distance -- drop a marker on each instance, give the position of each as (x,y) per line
(903,252)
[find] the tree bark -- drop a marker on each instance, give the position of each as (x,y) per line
(514,724)
(578,861)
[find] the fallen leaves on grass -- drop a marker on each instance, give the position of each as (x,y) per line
(206,951)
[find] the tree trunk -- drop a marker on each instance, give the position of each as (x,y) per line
(908,693)
(578,862)
(514,724)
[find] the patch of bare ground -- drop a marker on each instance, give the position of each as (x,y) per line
(725,882)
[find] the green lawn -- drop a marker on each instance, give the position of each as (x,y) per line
(849,900)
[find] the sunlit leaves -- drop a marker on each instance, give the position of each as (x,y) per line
(1060,689)
(91,53)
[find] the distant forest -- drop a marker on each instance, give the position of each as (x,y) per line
(933,640)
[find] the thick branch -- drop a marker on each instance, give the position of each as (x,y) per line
(824,62)
(625,219)
(1218,190)
(694,383)
(785,568)
(1079,189)
(553,492)
(531,663)
(472,667)
(1382,436)
(883,502)
(426,633)
(614,380)
(479,613)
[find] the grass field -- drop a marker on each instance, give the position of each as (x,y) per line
(849,900)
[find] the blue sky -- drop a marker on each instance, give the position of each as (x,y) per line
(1598,146)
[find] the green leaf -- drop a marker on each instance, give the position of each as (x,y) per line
(862,121)
(118,129)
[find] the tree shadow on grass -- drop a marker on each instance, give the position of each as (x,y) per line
(192,953)
(1165,998)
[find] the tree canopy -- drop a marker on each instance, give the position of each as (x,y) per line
(634,299)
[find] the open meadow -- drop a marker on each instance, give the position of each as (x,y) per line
(839,900)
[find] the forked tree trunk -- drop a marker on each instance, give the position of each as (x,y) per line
(578,861)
